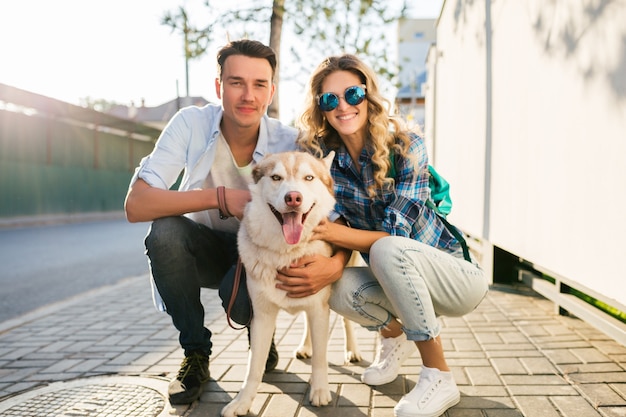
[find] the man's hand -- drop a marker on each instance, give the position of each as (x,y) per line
(309,275)
(236,201)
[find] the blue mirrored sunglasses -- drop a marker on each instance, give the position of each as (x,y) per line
(353,96)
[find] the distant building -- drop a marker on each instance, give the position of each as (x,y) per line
(415,36)
(155,116)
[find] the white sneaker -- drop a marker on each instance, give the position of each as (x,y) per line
(391,353)
(435,392)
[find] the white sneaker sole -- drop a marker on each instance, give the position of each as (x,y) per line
(449,404)
(377,379)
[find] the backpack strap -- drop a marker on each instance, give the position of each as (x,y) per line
(452,229)
(437,180)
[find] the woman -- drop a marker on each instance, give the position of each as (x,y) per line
(416,270)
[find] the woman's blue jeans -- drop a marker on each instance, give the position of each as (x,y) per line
(412,282)
(185,256)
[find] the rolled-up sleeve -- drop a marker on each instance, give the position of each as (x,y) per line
(163,165)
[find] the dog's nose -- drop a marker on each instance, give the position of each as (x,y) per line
(293,198)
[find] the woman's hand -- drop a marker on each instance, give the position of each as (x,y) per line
(324,231)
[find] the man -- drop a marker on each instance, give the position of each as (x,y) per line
(192,240)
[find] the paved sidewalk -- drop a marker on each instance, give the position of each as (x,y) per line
(109,352)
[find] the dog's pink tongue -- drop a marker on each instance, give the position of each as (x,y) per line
(292,227)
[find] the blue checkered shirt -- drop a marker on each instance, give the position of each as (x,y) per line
(399,210)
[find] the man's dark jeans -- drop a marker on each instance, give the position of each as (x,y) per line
(184,257)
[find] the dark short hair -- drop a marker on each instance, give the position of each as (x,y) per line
(247,47)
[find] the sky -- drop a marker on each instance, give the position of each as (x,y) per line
(116,50)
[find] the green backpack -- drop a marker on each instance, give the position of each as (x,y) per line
(440,201)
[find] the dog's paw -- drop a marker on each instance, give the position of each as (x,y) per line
(320,396)
(353,356)
(303,352)
(235,408)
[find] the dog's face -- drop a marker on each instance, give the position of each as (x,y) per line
(296,188)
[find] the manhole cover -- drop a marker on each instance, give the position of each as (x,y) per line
(92,397)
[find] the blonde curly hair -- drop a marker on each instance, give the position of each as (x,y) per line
(385,132)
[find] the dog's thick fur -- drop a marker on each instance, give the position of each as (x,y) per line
(291,193)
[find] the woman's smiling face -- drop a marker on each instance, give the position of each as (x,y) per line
(349,121)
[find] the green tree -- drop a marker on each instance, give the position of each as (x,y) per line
(322,28)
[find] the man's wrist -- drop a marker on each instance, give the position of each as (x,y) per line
(221,203)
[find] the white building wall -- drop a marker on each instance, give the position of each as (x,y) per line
(537,107)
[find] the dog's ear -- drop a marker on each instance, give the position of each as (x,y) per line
(257,173)
(328,160)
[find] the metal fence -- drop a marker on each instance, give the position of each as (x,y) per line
(57,158)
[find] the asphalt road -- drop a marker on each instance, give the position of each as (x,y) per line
(41,265)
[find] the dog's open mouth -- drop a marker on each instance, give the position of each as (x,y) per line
(292,223)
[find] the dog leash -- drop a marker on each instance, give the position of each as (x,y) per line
(233,295)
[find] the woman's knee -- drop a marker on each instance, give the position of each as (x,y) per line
(383,249)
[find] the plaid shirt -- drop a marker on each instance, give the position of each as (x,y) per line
(399,210)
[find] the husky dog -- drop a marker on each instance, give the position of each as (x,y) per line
(291,193)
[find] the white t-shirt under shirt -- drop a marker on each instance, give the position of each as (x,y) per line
(226,172)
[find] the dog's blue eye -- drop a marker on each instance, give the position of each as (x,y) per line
(309,178)
(276,177)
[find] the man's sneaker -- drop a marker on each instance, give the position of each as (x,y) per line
(272,356)
(193,373)
(435,392)
(391,353)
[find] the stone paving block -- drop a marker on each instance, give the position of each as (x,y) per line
(465,344)
(18,353)
(483,391)
(602,395)
(538,366)
(61,376)
(590,368)
(561,356)
(609,347)
(86,366)
(380,412)
(485,403)
(533,330)
(280,405)
(119,369)
(328,411)
(590,355)
(149,358)
(541,390)
(508,366)
(28,363)
(565,344)
(483,376)
(612,411)
(522,348)
(574,407)
(462,362)
(538,406)
(460,412)
(533,380)
(382,400)
(604,377)
(18,375)
(620,388)
(355,395)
